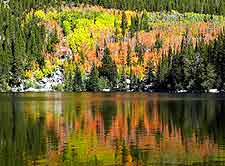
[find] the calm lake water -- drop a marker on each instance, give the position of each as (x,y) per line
(75,129)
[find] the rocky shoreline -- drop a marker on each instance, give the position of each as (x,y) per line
(47,84)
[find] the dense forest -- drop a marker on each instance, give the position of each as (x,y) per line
(21,40)
(113,49)
(198,6)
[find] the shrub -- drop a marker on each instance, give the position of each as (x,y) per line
(38,74)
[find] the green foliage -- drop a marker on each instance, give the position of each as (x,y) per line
(158,42)
(30,84)
(199,6)
(58,88)
(135,25)
(150,73)
(68,84)
(38,74)
(93,80)
(128,60)
(52,40)
(108,68)
(82,29)
(144,23)
(103,83)
(194,68)
(208,77)
(4,87)
(124,24)
(67,27)
(122,81)
(24,40)
(140,51)
(78,84)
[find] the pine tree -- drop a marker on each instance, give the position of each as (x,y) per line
(145,22)
(150,76)
(132,27)
(124,24)
(158,43)
(78,84)
(69,82)
(108,68)
(52,40)
(122,81)
(93,80)
(82,56)
(116,33)
(97,49)
(16,51)
(139,50)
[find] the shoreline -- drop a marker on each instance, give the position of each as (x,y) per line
(211,91)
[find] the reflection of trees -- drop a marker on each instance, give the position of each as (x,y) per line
(21,137)
(216,127)
(202,118)
(111,129)
(150,127)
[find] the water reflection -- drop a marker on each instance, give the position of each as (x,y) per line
(111,129)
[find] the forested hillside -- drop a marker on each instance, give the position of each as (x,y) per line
(22,40)
(199,6)
(133,46)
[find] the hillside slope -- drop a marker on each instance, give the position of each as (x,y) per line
(92,48)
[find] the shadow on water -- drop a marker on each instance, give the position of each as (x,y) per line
(111,129)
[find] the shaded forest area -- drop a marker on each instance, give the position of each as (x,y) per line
(197,6)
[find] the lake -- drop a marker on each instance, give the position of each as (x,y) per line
(111,129)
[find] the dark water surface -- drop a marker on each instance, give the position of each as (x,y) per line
(48,129)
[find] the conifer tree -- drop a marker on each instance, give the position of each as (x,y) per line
(124,24)
(132,27)
(93,80)
(108,68)
(158,43)
(122,81)
(69,82)
(139,50)
(78,84)
(129,58)
(145,22)
(150,76)
(116,33)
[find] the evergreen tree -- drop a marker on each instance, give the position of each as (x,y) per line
(116,33)
(158,43)
(140,51)
(93,80)
(108,68)
(199,6)
(78,84)
(123,80)
(82,56)
(69,82)
(129,58)
(198,67)
(177,72)
(145,22)
(150,76)
(52,40)
(124,24)
(132,28)
(97,49)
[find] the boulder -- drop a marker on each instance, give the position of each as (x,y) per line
(213,91)
(106,90)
